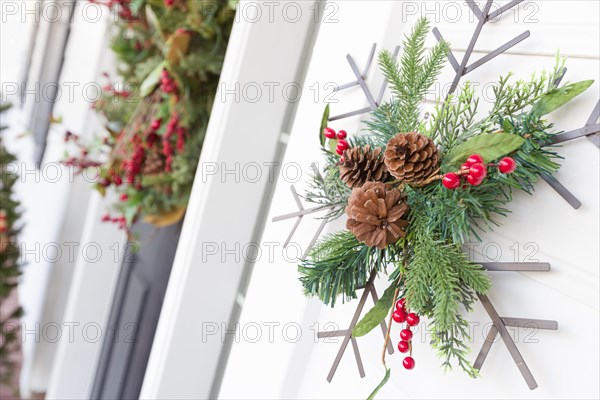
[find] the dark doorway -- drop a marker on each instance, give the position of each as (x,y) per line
(135,311)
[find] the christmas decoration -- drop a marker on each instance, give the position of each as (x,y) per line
(169,57)
(455,172)
(9,262)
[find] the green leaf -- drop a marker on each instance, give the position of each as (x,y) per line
(377,313)
(157,179)
(136,6)
(324,121)
(130,213)
(381,384)
(154,22)
(6,106)
(101,189)
(490,147)
(556,98)
(152,80)
(333,145)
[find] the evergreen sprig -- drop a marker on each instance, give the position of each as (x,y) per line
(339,265)
(409,81)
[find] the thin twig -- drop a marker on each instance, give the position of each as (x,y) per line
(389,327)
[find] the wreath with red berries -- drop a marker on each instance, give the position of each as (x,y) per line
(169,58)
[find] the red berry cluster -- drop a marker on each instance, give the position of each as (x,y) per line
(172,129)
(121,221)
(475,171)
(167,83)
(133,166)
(401,315)
(116,93)
(83,161)
(70,136)
(340,136)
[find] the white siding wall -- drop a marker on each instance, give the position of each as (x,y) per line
(564,362)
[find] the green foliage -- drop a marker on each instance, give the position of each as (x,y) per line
(339,265)
(453,117)
(490,147)
(385,379)
(328,190)
(324,121)
(439,280)
(454,120)
(376,314)
(558,97)
(410,80)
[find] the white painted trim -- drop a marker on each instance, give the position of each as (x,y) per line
(182,364)
(90,300)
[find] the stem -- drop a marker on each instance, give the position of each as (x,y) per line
(389,328)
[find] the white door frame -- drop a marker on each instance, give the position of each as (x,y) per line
(208,282)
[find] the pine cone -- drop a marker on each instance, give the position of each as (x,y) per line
(153,164)
(375,213)
(361,164)
(411,157)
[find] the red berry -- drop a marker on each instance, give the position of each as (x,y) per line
(401,304)
(475,159)
(408,362)
(343,144)
(339,151)
(403,346)
(399,316)
(465,166)
(169,3)
(342,135)
(106,218)
(474,181)
(507,165)
(342,159)
(451,180)
(329,133)
(155,125)
(412,319)
(478,171)
(406,334)
(124,197)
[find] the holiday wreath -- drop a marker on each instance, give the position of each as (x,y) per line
(169,57)
(413,190)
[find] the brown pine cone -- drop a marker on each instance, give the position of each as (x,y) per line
(361,164)
(411,157)
(375,213)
